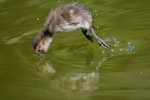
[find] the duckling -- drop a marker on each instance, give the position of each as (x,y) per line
(66,18)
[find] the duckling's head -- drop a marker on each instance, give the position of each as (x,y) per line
(41,43)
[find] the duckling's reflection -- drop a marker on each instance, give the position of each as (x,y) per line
(45,69)
(77,83)
(72,82)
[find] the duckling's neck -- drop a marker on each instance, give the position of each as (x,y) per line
(48,33)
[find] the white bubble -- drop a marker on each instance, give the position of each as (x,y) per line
(129,42)
(112,50)
(141,73)
(95,10)
(97,27)
(121,49)
(37,18)
(103,52)
(59,1)
(118,41)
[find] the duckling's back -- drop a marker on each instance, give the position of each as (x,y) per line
(71,14)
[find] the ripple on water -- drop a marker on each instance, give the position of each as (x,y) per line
(17,39)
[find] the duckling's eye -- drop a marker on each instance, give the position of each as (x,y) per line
(39,50)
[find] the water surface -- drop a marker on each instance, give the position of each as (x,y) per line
(75,69)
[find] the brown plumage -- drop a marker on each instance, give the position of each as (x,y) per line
(65,18)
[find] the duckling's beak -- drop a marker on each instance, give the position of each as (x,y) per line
(42,55)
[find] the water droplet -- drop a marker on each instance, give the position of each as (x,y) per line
(108,40)
(37,18)
(141,73)
(97,27)
(131,47)
(103,52)
(112,50)
(118,41)
(121,49)
(129,42)
(59,1)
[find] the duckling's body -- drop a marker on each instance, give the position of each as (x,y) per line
(65,18)
(69,17)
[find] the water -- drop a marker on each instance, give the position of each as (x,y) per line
(75,69)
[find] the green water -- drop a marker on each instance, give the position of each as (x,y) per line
(75,69)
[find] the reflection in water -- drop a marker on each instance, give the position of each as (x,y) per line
(76,83)
(45,68)
(71,82)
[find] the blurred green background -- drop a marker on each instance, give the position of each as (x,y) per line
(74,68)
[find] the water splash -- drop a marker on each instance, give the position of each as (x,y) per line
(120,47)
